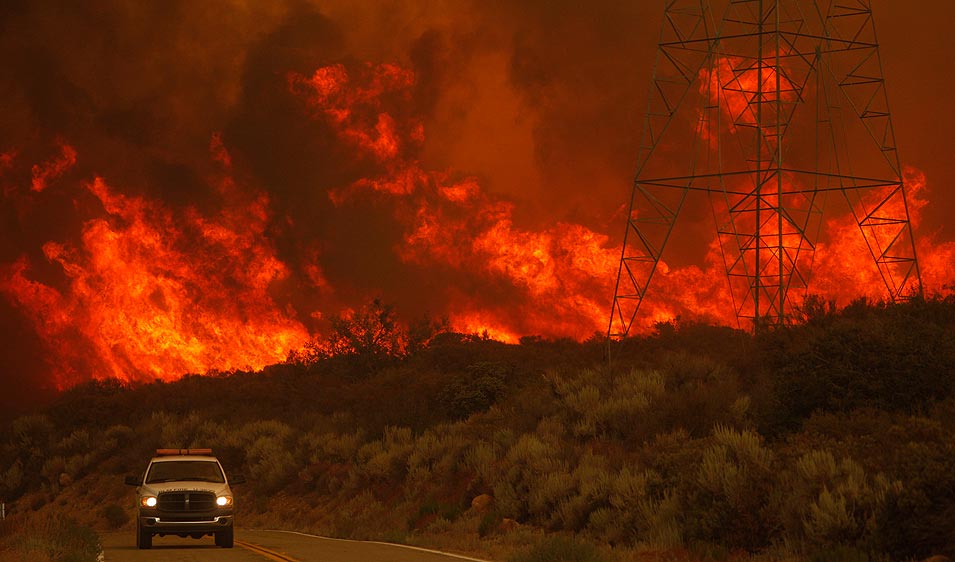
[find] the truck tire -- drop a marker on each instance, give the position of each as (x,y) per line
(224,538)
(144,539)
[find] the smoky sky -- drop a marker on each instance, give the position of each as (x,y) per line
(542,101)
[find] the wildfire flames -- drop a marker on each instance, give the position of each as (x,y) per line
(151,294)
(142,289)
(560,272)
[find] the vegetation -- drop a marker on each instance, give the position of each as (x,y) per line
(826,440)
(58,538)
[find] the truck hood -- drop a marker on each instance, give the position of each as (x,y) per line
(219,489)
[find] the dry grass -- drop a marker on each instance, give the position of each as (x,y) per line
(34,538)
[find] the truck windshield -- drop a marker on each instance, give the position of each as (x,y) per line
(172,471)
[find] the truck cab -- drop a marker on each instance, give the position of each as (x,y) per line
(184,492)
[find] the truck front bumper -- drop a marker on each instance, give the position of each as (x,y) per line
(157,524)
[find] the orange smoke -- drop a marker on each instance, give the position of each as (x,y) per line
(53,168)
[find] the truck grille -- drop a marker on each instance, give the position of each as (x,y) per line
(183,518)
(186,502)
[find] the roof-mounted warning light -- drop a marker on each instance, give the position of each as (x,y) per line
(171,452)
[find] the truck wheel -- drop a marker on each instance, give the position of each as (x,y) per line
(224,538)
(144,539)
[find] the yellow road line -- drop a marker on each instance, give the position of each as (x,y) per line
(270,554)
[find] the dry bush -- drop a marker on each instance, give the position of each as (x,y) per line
(54,538)
(176,430)
(436,457)
(269,454)
(525,466)
(332,447)
(827,502)
(384,460)
(364,517)
(559,549)
(115,515)
(730,503)
(597,405)
(481,458)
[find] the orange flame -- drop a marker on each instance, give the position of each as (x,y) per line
(150,294)
(561,274)
(155,292)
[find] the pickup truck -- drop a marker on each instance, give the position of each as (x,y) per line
(184,492)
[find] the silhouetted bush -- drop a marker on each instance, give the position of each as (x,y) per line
(899,358)
(919,516)
(475,390)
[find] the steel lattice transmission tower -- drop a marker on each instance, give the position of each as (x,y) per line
(779,105)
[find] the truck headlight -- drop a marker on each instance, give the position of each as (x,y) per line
(224,501)
(148,501)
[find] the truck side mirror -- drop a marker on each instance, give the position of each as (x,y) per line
(237,479)
(133,481)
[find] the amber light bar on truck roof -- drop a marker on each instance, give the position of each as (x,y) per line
(170,452)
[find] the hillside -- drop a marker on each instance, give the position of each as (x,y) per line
(827,440)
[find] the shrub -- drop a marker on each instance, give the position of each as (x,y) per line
(701,394)
(31,440)
(364,517)
(481,458)
(386,459)
(490,522)
(559,549)
(826,502)
(474,391)
(115,515)
(269,454)
(435,515)
(176,430)
(51,471)
(57,538)
(435,455)
(894,358)
(730,503)
(598,405)
(919,517)
(526,464)
(11,481)
(360,343)
(332,447)
(76,442)
(592,484)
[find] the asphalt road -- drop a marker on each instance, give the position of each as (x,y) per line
(261,546)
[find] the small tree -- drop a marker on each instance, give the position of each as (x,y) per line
(372,331)
(364,340)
